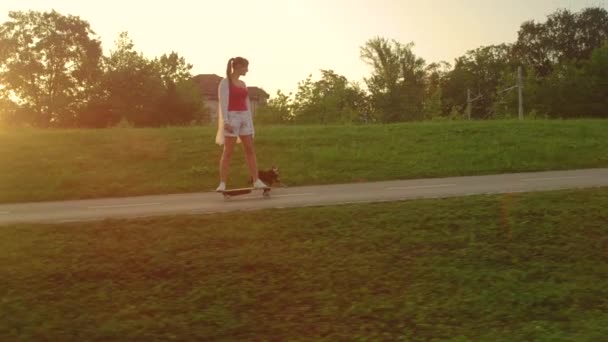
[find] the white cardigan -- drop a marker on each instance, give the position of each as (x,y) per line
(223,91)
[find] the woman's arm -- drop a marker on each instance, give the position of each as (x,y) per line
(222,93)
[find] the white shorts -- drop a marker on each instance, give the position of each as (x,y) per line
(241,122)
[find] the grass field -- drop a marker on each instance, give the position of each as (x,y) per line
(517,267)
(57,164)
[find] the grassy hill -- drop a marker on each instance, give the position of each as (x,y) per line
(39,165)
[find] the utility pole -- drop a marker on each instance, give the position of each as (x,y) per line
(520,85)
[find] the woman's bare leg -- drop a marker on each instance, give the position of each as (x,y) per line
(252,162)
(229,143)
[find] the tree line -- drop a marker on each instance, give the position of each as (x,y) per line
(53,73)
(565,75)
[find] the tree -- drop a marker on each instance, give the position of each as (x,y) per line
(49,62)
(134,85)
(575,89)
(8,111)
(278,110)
(565,36)
(182,103)
(572,89)
(397,81)
(144,92)
(436,76)
(596,72)
(332,99)
(173,68)
(480,70)
(432,108)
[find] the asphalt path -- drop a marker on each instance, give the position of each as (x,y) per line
(302,196)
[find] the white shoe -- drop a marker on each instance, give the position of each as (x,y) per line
(221,187)
(259,184)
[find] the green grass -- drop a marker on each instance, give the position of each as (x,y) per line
(73,164)
(517,267)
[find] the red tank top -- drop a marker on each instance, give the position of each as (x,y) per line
(237,98)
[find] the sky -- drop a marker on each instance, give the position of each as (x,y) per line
(287,40)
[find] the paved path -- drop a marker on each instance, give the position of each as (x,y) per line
(210,202)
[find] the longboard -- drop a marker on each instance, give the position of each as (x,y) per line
(242,191)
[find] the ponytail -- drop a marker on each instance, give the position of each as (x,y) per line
(229,69)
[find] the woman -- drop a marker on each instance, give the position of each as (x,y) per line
(235,122)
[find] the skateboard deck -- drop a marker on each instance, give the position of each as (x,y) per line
(242,191)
